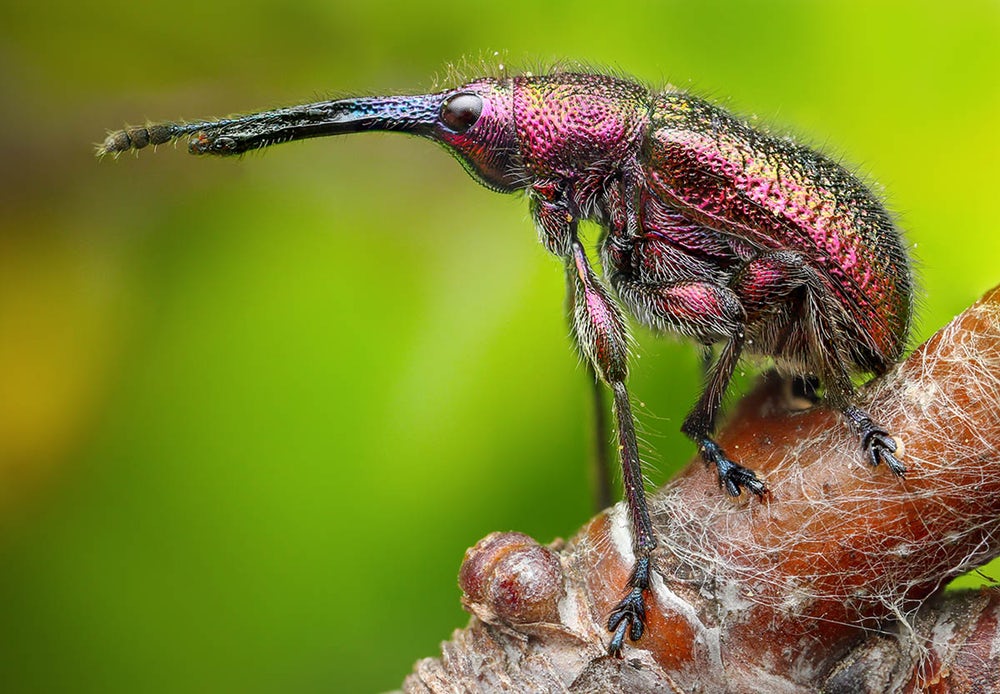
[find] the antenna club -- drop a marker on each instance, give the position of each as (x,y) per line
(138,137)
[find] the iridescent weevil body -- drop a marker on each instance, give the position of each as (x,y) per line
(710,228)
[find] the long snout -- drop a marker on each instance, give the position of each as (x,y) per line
(410,114)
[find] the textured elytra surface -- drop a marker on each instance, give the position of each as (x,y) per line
(777,194)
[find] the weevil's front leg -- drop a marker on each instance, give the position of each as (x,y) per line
(600,460)
(556,224)
(603,497)
(601,333)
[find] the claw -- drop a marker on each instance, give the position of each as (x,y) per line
(629,616)
(618,640)
(739,477)
(876,442)
(882,448)
(731,485)
(733,477)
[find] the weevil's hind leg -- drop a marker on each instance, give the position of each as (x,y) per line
(600,456)
(876,442)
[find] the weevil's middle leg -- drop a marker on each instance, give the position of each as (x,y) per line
(762,284)
(705,311)
(701,421)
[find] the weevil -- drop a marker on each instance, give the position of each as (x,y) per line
(710,228)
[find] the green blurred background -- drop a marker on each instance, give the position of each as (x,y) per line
(253,411)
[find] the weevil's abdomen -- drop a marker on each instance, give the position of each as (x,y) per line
(779,195)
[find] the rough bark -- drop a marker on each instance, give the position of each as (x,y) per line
(834,582)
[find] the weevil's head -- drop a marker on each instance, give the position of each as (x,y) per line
(474,122)
(505,131)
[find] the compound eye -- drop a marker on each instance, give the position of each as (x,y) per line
(460,112)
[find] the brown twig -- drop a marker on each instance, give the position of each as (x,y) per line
(833,583)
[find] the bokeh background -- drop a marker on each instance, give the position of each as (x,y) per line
(253,411)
